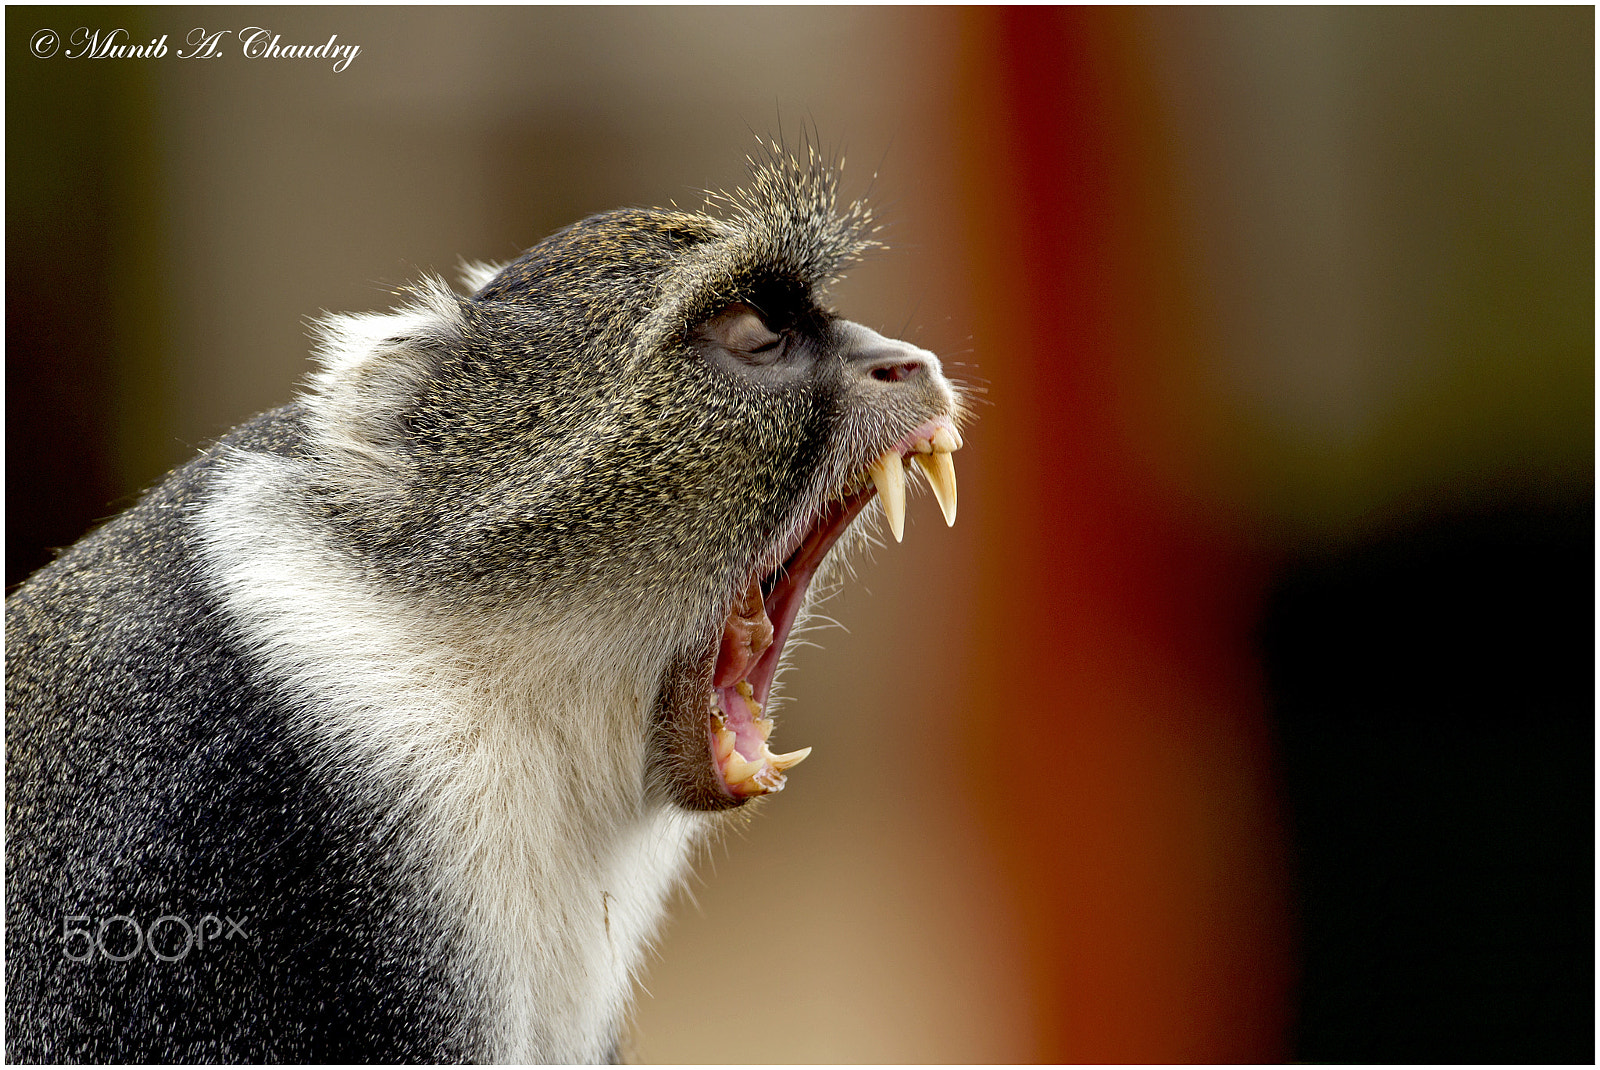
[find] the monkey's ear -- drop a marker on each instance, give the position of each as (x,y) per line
(373,367)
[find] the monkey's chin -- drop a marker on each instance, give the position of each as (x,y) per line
(711,732)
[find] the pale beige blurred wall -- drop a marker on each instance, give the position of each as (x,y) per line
(855,920)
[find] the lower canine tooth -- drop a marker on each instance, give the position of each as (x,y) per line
(784,762)
(889,475)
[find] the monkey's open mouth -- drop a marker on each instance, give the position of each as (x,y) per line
(710,729)
(747,660)
(759,622)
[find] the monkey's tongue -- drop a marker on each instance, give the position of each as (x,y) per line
(747,661)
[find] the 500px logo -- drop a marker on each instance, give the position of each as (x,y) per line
(168,938)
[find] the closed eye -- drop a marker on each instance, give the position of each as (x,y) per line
(741,330)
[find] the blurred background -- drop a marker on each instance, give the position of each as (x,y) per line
(1247,712)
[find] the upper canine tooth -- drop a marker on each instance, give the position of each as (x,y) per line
(945,440)
(889,475)
(940,469)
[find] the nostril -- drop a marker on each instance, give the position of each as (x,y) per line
(897,372)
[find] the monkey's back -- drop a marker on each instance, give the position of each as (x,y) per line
(182,882)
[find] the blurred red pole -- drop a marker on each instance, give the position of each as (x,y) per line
(1118,728)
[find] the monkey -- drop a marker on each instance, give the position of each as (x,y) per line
(384,728)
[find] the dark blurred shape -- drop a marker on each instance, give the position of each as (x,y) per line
(1434,693)
(57,311)
(78,179)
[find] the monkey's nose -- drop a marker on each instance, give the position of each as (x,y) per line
(897,371)
(887,360)
(890,361)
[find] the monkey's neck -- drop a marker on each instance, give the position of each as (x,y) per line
(515,758)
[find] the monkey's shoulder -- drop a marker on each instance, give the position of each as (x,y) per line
(137,555)
(119,648)
(154,772)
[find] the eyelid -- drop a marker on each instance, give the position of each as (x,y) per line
(758,337)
